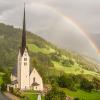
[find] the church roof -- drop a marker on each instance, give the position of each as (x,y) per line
(23,46)
(14,71)
(35,84)
(14,82)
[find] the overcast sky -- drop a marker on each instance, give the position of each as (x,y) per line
(50,19)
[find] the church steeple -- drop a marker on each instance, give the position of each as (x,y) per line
(23,46)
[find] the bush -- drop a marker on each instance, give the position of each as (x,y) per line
(3,87)
(55,94)
(96,83)
(86,85)
(65,81)
(67,63)
(55,56)
(76,98)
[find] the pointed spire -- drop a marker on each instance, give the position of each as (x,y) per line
(23,34)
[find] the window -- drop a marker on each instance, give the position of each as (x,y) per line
(25,59)
(34,79)
(25,63)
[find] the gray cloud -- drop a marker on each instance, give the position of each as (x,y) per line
(44,18)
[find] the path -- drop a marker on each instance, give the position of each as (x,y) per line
(11,96)
(3,97)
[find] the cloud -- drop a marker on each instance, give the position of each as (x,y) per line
(45,18)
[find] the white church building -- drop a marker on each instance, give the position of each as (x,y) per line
(22,77)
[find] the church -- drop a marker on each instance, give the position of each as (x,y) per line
(22,77)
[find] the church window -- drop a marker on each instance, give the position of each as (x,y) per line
(25,63)
(25,59)
(34,79)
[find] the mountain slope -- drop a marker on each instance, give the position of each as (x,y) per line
(48,59)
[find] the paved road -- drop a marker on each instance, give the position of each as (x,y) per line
(3,97)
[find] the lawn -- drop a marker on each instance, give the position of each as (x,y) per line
(31,96)
(83,95)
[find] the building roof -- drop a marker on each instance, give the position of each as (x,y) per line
(23,46)
(14,71)
(35,84)
(14,82)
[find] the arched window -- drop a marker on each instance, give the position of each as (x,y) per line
(34,79)
(25,59)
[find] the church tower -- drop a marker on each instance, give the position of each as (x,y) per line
(23,65)
(21,77)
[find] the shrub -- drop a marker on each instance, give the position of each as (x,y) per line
(76,98)
(55,94)
(3,87)
(65,81)
(96,83)
(86,85)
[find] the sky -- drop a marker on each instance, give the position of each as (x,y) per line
(69,24)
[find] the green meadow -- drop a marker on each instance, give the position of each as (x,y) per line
(36,49)
(31,96)
(83,95)
(75,69)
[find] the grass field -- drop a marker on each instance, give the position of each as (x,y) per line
(34,48)
(76,69)
(82,95)
(31,96)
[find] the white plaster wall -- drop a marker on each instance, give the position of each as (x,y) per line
(25,70)
(19,70)
(38,79)
(13,78)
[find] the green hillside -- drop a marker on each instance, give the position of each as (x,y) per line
(43,54)
(49,60)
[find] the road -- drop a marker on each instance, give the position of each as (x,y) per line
(3,97)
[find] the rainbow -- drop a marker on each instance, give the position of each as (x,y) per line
(70,21)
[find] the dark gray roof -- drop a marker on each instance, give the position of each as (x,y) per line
(23,35)
(14,71)
(35,84)
(14,82)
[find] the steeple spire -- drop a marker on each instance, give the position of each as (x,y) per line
(23,34)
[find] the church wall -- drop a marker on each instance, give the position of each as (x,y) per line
(13,77)
(38,80)
(25,69)
(19,69)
